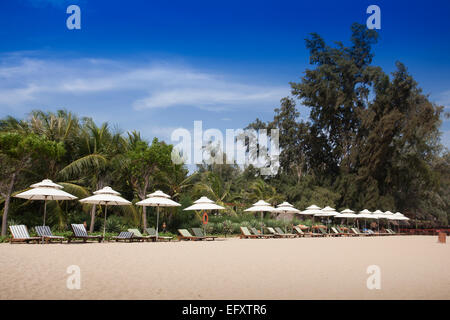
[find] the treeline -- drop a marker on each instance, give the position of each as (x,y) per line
(372,141)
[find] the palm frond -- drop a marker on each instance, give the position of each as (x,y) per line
(83,164)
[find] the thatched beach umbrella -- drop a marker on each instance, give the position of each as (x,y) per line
(261,206)
(45,190)
(108,197)
(378,214)
(365,214)
(398,217)
(286,207)
(204,204)
(311,211)
(326,212)
(387,215)
(158,199)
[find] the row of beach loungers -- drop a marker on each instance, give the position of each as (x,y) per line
(19,233)
(253,233)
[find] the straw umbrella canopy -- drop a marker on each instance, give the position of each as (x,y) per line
(45,190)
(261,206)
(387,215)
(398,217)
(326,212)
(378,214)
(346,214)
(286,207)
(365,214)
(204,204)
(311,210)
(158,199)
(108,197)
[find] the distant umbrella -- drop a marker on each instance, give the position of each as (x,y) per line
(286,207)
(108,197)
(311,210)
(365,214)
(204,204)
(158,199)
(261,206)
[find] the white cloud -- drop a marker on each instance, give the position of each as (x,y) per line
(26,81)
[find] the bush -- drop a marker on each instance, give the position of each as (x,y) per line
(236,228)
(245,224)
(210,227)
(113,224)
(227,227)
(218,228)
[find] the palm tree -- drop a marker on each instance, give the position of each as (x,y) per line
(97,147)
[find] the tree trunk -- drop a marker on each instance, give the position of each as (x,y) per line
(91,227)
(144,217)
(6,207)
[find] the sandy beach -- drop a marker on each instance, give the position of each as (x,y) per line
(412,267)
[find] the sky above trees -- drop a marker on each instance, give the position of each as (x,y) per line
(154,66)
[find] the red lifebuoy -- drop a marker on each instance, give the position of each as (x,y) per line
(205,218)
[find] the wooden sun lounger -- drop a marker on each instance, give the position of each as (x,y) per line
(346,234)
(199,233)
(20,233)
(184,234)
(336,233)
(46,234)
(299,231)
(323,232)
(152,232)
(394,233)
(138,235)
(124,236)
(246,234)
(259,234)
(286,235)
(274,233)
(79,232)
(357,232)
(278,234)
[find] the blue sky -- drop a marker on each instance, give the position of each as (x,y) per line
(158,65)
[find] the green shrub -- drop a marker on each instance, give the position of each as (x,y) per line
(227,227)
(113,224)
(218,228)
(236,228)
(210,227)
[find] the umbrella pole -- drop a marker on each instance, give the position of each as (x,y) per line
(157,221)
(45,209)
(262,223)
(104,223)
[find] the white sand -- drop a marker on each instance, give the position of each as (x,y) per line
(412,267)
